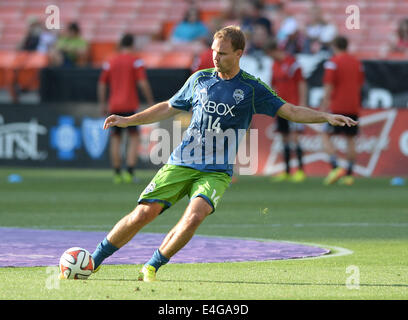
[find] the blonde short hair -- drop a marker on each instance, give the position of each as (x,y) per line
(234,34)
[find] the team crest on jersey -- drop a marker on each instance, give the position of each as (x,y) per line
(238,95)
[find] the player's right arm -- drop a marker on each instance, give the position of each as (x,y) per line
(182,100)
(155,113)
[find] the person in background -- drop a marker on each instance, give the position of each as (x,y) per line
(203,60)
(254,59)
(343,80)
(319,32)
(71,49)
(121,74)
(399,42)
(289,83)
(32,37)
(191,28)
(253,15)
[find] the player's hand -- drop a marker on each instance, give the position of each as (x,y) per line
(340,120)
(115,120)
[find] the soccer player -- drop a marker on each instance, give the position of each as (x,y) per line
(222,99)
(121,74)
(343,80)
(289,84)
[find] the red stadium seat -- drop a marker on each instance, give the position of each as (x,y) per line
(176,60)
(150,59)
(7,59)
(167,29)
(28,75)
(397,56)
(101,52)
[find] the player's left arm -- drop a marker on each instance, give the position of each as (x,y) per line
(307,115)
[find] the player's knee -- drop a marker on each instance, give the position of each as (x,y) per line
(194,218)
(144,213)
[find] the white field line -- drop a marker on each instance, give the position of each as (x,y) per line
(241,226)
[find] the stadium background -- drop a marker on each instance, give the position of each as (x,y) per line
(56,124)
(56,121)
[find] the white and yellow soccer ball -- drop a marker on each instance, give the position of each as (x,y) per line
(76,263)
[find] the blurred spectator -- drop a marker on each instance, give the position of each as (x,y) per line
(289,36)
(121,74)
(257,40)
(71,49)
(252,16)
(37,38)
(46,41)
(294,42)
(319,33)
(288,24)
(254,59)
(399,44)
(32,38)
(235,11)
(191,28)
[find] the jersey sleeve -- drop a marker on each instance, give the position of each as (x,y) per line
(104,77)
(183,99)
(139,69)
(330,68)
(266,101)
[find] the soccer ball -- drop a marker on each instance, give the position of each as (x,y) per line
(76,263)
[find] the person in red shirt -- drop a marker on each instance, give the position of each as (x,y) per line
(203,61)
(121,74)
(343,80)
(289,83)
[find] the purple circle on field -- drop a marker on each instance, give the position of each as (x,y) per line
(34,247)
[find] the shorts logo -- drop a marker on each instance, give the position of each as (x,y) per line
(149,188)
(238,95)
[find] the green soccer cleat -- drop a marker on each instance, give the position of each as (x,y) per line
(117,179)
(97,269)
(298,176)
(147,274)
(284,176)
(334,176)
(127,177)
(346,181)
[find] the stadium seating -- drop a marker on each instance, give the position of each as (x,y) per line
(103,21)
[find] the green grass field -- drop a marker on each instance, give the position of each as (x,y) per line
(370,219)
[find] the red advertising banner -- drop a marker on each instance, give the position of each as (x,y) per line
(382,146)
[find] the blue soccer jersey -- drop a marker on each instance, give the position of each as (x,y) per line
(222,111)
